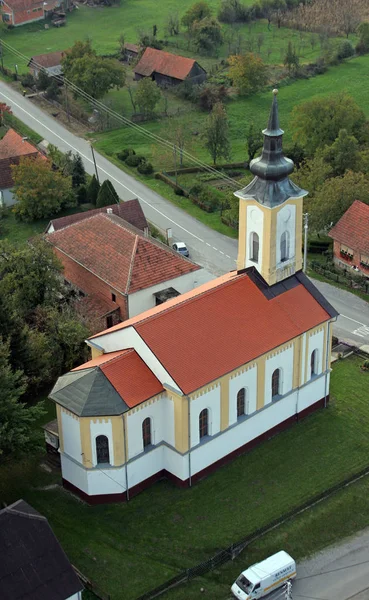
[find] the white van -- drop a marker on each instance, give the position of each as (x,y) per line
(264,577)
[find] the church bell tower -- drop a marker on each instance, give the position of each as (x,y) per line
(270,213)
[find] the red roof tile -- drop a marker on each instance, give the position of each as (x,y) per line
(128,374)
(120,256)
(210,331)
(353,227)
(165,63)
(14,145)
(97,305)
(132,47)
(130,211)
(52,59)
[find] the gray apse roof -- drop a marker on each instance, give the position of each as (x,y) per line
(88,393)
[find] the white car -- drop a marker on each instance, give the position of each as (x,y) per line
(181,248)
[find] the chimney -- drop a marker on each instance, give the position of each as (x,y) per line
(109,211)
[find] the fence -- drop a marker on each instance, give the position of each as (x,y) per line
(344,277)
(235,549)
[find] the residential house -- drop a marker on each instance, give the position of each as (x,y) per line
(131,52)
(20,12)
(351,239)
(130,211)
(168,69)
(182,388)
(13,147)
(33,565)
(118,271)
(50,63)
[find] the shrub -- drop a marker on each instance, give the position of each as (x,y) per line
(133,160)
(345,50)
(211,95)
(361,48)
(232,11)
(206,197)
(125,153)
(178,192)
(28,80)
(365,365)
(145,167)
(82,194)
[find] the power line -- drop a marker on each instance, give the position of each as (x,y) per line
(120,118)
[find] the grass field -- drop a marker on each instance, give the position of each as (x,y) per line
(132,548)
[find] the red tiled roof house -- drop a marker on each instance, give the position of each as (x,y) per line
(13,147)
(50,63)
(351,238)
(168,69)
(119,271)
(20,12)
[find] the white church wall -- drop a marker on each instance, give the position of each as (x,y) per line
(106,481)
(211,401)
(76,596)
(74,473)
(161,413)
(247,380)
(145,466)
(255,223)
(282,360)
(145,299)
(101,427)
(313,391)
(302,361)
(316,342)
(286,221)
(71,435)
(176,463)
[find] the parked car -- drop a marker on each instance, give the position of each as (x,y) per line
(181,248)
(264,577)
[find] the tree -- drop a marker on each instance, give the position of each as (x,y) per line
(52,91)
(63,160)
(17,433)
(147,95)
(78,172)
(207,35)
(93,190)
(196,12)
(40,191)
(312,174)
(172,26)
(217,133)
(107,195)
(4,108)
(343,154)
(317,123)
(254,141)
(291,60)
(248,73)
(43,80)
(363,44)
(335,196)
(78,50)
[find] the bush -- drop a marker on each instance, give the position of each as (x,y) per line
(145,167)
(211,95)
(28,80)
(361,48)
(178,192)
(133,160)
(365,365)
(123,155)
(345,50)
(82,194)
(232,11)
(206,197)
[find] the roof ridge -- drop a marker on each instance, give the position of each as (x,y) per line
(131,264)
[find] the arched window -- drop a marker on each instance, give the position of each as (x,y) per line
(204,423)
(285,243)
(254,247)
(102,449)
(276,383)
(241,403)
(146,432)
(314,363)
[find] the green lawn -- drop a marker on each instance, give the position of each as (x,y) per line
(141,544)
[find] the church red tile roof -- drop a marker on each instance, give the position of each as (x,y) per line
(119,255)
(214,329)
(128,374)
(158,61)
(130,211)
(353,227)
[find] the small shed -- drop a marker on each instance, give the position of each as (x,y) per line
(131,52)
(50,63)
(168,69)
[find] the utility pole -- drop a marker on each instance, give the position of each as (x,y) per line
(93,156)
(175,161)
(66,101)
(306,227)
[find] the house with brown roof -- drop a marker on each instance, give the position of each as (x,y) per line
(13,147)
(131,52)
(184,387)
(50,63)
(20,12)
(118,271)
(351,239)
(168,69)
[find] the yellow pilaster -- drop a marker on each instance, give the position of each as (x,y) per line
(242,232)
(84,425)
(297,362)
(260,365)
(118,439)
(224,403)
(180,422)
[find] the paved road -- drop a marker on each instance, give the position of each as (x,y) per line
(215,252)
(338,573)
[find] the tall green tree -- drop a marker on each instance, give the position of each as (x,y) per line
(40,191)
(291,60)
(207,35)
(17,433)
(317,123)
(248,73)
(107,195)
(343,154)
(196,12)
(93,190)
(147,95)
(216,133)
(78,172)
(254,140)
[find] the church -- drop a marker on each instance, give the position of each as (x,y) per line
(184,387)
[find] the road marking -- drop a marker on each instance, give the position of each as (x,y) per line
(208,244)
(214,248)
(101,169)
(362,331)
(353,320)
(227,255)
(221,252)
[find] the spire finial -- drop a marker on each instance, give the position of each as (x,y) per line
(275,91)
